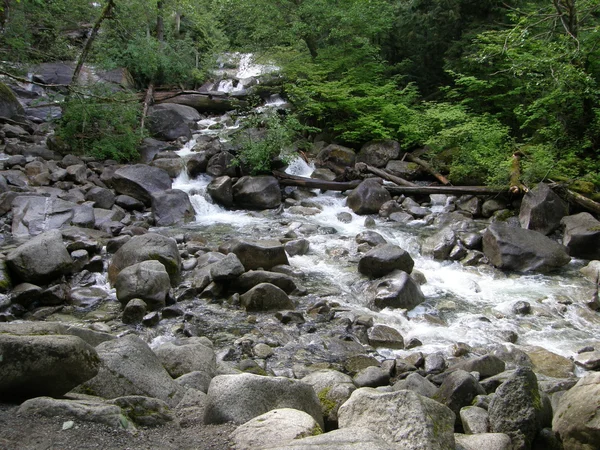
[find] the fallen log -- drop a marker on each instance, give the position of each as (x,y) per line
(516,186)
(449,190)
(314,183)
(425,165)
(581,200)
(362,167)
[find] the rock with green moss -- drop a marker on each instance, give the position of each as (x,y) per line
(403,418)
(145,411)
(275,427)
(333,388)
(9,105)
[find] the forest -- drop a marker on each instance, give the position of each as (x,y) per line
(471,82)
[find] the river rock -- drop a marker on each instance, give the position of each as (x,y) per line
(141,181)
(149,246)
(275,427)
(486,365)
(297,247)
(88,410)
(183,357)
(333,388)
(384,259)
(474,420)
(33,215)
(172,207)
(248,280)
(372,376)
(173,166)
(239,398)
(91,337)
(145,411)
(32,366)
(588,360)
(416,383)
(336,158)
(262,192)
(102,197)
(404,169)
(368,197)
(148,281)
(346,439)
(9,105)
(266,297)
(130,367)
(398,290)
(370,237)
(221,164)
(226,269)
(379,152)
(548,363)
(169,121)
(487,441)
(542,210)
(134,311)
(440,244)
(221,190)
(582,236)
(404,418)
(41,259)
(384,336)
(522,250)
(576,417)
(458,389)
(259,254)
(518,409)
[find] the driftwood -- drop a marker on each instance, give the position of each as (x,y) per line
(362,167)
(425,165)
(450,190)
(314,183)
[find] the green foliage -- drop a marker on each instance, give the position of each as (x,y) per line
(267,137)
(102,124)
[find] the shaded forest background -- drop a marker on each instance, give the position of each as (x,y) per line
(474,81)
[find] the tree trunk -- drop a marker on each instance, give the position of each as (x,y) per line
(362,167)
(313,183)
(160,24)
(4,15)
(147,102)
(88,43)
(425,165)
(515,175)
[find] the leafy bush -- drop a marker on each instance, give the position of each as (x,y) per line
(102,124)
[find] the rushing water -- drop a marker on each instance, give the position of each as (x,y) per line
(463,304)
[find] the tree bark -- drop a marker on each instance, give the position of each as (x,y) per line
(425,165)
(160,23)
(313,183)
(581,200)
(88,43)
(362,167)
(515,175)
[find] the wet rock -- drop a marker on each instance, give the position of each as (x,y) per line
(416,383)
(87,297)
(257,254)
(265,297)
(588,360)
(226,269)
(221,164)
(474,420)
(141,181)
(169,121)
(44,365)
(323,174)
(276,427)
(486,365)
(576,417)
(148,281)
(145,411)
(95,411)
(372,377)
(172,207)
(440,244)
(384,336)
(333,388)
(548,363)
(183,357)
(129,203)
(487,441)
(173,166)
(254,277)
(522,250)
(336,158)
(220,190)
(398,290)
(379,152)
(518,409)
(41,259)
(239,398)
(403,418)
(151,319)
(134,311)
(542,210)
(400,217)
(384,259)
(492,205)
(370,237)
(130,367)
(458,389)
(297,247)
(150,246)
(368,197)
(582,236)
(262,192)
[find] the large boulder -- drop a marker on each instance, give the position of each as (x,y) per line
(222,164)
(33,215)
(440,244)
(171,121)
(239,398)
(172,207)
(541,209)
(259,254)
(32,366)
(378,153)
(398,290)
(9,105)
(266,297)
(141,181)
(458,389)
(344,439)
(55,328)
(483,441)
(221,190)
(404,418)
(248,280)
(333,388)
(275,427)
(41,259)
(336,158)
(519,409)
(582,236)
(193,355)
(368,197)
(149,246)
(130,367)
(260,192)
(522,250)
(385,259)
(147,281)
(576,417)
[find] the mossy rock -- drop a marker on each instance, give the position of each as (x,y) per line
(583,187)
(9,105)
